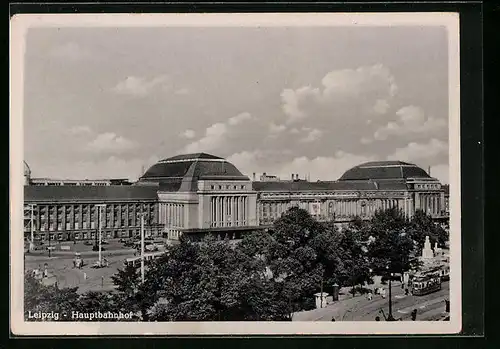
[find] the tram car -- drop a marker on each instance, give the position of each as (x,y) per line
(136,261)
(425,283)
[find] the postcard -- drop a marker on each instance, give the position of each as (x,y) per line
(235,174)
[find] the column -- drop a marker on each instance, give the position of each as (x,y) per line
(235,211)
(245,216)
(221,210)
(216,200)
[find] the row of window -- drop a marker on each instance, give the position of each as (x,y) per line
(93,235)
(227,187)
(427,186)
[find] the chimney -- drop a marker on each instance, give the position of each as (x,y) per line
(429,171)
(253,177)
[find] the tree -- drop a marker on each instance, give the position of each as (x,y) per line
(41,298)
(128,296)
(422,225)
(210,281)
(391,247)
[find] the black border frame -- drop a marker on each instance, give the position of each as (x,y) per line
(472,158)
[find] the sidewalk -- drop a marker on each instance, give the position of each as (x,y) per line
(344,305)
(45,255)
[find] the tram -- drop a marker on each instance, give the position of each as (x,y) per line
(136,261)
(425,283)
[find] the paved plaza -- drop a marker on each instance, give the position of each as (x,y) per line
(360,308)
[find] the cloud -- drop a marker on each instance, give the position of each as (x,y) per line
(372,85)
(318,168)
(188,134)
(137,86)
(213,139)
(110,142)
(312,135)
(108,167)
(416,152)
(381,107)
(292,100)
(80,130)
(218,136)
(238,119)
(411,120)
(441,172)
(182,91)
(275,129)
(70,51)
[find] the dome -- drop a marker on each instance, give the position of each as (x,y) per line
(377,170)
(181,172)
(27,170)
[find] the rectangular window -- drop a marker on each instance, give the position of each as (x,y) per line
(84,224)
(242,187)
(68,226)
(85,235)
(77,225)
(59,226)
(212,187)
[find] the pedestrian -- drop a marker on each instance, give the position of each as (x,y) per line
(406,291)
(377,318)
(414,315)
(370,296)
(333,319)
(382,292)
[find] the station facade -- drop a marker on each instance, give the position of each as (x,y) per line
(199,194)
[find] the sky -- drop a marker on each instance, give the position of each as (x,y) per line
(316,101)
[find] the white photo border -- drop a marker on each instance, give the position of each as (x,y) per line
(18,29)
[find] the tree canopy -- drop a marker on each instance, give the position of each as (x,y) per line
(267,275)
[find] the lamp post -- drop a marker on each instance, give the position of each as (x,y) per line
(390,317)
(100,206)
(142,245)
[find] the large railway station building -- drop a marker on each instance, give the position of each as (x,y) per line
(199,194)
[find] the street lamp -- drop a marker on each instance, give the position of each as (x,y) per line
(141,214)
(100,206)
(390,317)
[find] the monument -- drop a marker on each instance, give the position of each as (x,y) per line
(427,252)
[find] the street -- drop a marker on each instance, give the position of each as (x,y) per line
(429,307)
(61,269)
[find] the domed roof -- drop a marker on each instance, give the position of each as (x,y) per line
(180,173)
(384,170)
(27,170)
